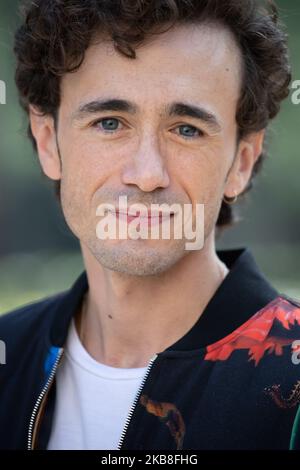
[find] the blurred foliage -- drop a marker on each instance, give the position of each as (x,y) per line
(38,253)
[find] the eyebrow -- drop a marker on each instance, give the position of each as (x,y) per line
(175,109)
(196,112)
(97,106)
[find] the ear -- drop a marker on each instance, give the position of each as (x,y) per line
(248,152)
(43,130)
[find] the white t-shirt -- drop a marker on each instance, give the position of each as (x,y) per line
(92,400)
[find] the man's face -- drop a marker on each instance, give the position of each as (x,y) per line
(146,152)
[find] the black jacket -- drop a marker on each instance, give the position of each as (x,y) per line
(231,382)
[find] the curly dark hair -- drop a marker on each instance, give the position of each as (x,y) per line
(55,34)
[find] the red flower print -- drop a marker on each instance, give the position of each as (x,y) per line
(254,334)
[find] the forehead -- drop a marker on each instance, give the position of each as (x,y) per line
(189,62)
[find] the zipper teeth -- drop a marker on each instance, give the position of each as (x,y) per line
(129,416)
(38,402)
(52,373)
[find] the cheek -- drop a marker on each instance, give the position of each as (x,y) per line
(202,178)
(203,175)
(86,166)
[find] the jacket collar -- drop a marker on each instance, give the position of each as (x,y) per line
(243,292)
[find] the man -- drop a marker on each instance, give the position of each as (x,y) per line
(155,346)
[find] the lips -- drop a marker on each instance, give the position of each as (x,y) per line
(150,218)
(150,214)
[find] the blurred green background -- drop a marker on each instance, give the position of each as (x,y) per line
(38,253)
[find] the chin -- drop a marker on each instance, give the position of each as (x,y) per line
(136,259)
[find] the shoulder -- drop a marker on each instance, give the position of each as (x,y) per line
(29,318)
(272,332)
(284,314)
(277,324)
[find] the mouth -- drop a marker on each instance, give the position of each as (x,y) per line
(144,218)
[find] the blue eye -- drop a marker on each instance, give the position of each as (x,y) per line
(108,124)
(189,131)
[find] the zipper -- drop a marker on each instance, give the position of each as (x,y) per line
(40,398)
(133,406)
(49,382)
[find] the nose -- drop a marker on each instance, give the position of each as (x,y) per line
(147,168)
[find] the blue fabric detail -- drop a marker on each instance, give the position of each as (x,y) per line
(50,360)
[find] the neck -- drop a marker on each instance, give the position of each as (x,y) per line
(128,319)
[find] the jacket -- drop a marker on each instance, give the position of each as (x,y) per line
(231,382)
